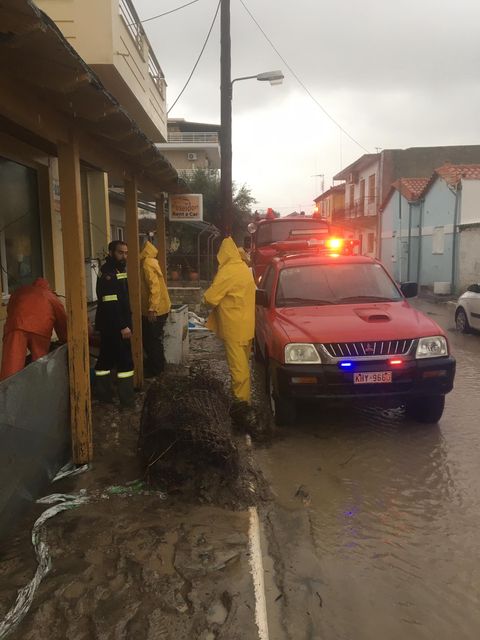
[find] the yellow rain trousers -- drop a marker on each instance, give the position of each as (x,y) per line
(154,290)
(232,296)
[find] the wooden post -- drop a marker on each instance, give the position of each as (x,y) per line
(76,301)
(161,237)
(131,214)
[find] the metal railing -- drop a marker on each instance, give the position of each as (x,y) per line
(156,73)
(132,22)
(193,137)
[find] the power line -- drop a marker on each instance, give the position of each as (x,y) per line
(199,57)
(167,13)
(299,80)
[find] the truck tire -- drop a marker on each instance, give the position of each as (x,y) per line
(427,410)
(284,410)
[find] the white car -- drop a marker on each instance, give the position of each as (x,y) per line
(467,313)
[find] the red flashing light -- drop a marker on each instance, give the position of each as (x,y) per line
(395,361)
(334,243)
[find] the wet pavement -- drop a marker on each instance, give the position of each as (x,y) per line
(374,532)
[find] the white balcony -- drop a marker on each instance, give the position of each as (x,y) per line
(108,35)
(190,137)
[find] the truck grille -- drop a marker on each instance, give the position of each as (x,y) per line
(368,349)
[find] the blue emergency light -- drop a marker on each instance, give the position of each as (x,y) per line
(346,365)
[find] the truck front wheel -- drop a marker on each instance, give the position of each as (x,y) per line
(427,410)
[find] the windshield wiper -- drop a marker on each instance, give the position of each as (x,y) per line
(366,298)
(285,302)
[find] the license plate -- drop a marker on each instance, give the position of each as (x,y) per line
(374,377)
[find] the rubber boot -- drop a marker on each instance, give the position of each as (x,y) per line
(242,415)
(103,390)
(126,392)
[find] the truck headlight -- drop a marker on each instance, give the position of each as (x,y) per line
(433,347)
(299,353)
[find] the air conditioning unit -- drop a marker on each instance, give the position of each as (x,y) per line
(353,177)
(192,156)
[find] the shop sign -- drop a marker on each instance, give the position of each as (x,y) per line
(186,207)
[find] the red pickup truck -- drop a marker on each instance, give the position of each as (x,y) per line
(332,327)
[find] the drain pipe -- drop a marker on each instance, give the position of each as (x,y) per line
(458,194)
(409,238)
(400,256)
(420,235)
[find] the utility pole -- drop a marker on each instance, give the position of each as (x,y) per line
(226,119)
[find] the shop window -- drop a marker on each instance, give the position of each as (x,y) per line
(20,236)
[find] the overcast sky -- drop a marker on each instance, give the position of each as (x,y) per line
(393,74)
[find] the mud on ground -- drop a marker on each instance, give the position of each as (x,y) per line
(141,565)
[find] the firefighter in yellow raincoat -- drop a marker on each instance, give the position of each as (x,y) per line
(155,308)
(232,296)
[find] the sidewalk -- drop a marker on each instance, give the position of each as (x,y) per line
(134,564)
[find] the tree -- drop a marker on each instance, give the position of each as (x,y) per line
(208,183)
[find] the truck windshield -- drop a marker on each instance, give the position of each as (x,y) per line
(285,229)
(319,284)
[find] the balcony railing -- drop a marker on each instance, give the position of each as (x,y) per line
(360,209)
(132,22)
(193,137)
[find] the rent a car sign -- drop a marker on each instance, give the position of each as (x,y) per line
(186,207)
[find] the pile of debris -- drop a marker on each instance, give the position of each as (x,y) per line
(186,440)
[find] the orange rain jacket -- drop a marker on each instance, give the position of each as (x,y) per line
(34,308)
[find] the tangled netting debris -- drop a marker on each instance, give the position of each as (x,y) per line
(185,429)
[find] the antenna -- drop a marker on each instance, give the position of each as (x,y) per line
(322,176)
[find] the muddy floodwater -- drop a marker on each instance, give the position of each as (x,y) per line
(375,529)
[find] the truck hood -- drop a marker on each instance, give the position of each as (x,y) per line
(356,323)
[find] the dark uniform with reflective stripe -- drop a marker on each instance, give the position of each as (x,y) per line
(113,315)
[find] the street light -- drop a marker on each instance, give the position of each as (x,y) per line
(274,78)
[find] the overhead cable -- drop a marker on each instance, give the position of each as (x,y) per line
(299,80)
(167,13)
(199,57)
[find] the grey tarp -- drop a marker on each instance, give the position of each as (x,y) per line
(34,432)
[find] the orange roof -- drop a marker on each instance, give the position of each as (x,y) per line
(410,188)
(453,173)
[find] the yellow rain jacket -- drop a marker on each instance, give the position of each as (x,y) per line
(154,290)
(244,256)
(232,295)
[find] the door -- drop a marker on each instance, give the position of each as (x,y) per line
(474,310)
(261,313)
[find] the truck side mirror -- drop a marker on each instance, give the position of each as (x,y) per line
(409,289)
(261,298)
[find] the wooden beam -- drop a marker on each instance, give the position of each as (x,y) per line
(161,236)
(76,301)
(131,215)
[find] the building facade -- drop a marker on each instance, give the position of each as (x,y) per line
(431,229)
(192,146)
(368,181)
(330,205)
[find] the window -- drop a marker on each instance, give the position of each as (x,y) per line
(371,243)
(20,238)
(351,199)
(361,204)
(120,234)
(371,189)
(267,282)
(438,240)
(322,284)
